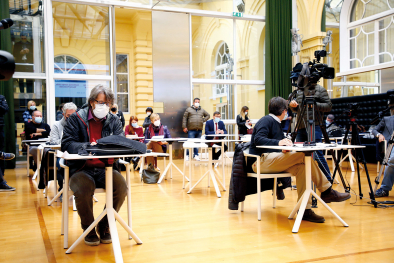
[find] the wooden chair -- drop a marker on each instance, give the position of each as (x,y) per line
(259,176)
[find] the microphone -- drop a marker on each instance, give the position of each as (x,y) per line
(6,23)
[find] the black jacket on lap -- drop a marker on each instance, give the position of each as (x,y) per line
(76,134)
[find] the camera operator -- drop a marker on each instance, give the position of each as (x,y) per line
(323,104)
(3,156)
(383,131)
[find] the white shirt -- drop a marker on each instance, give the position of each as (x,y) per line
(275,117)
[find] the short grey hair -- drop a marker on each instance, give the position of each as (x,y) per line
(69,106)
(109,95)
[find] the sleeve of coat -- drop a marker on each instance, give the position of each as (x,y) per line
(167,133)
(122,119)
(146,123)
(118,128)
(379,128)
(47,131)
(224,128)
(184,120)
(324,104)
(207,130)
(240,122)
(206,116)
(54,136)
(261,136)
(3,105)
(71,141)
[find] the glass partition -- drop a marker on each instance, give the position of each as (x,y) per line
(250,50)
(252,96)
(213,51)
(83,32)
(212,5)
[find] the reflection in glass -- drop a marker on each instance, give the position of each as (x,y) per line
(362,9)
(209,34)
(122,82)
(250,50)
(83,31)
(27,36)
(333,10)
(211,5)
(252,96)
(21,99)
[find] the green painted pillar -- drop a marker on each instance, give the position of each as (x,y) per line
(7,89)
(278,49)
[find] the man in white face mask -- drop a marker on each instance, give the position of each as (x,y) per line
(34,130)
(92,122)
(193,122)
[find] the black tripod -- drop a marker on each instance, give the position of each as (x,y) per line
(359,156)
(308,107)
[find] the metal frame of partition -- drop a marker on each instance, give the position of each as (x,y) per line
(50,76)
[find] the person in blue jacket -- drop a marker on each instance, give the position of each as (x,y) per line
(215,126)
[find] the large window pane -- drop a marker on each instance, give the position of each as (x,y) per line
(252,96)
(76,91)
(27,36)
(134,63)
(212,5)
(211,102)
(83,31)
(363,9)
(37,93)
(213,56)
(250,50)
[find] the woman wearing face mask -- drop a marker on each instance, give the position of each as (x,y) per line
(31,106)
(156,129)
(134,129)
(243,121)
(115,111)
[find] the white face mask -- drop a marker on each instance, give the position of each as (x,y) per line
(101,110)
(286,116)
(38,119)
(246,113)
(197,104)
(149,113)
(157,123)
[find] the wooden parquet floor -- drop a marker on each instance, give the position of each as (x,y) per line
(179,227)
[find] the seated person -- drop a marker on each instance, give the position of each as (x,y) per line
(215,126)
(268,131)
(383,131)
(156,129)
(35,130)
(55,137)
(333,130)
(134,129)
(92,122)
(31,106)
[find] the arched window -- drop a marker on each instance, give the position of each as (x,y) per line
(65,64)
(367,35)
(223,68)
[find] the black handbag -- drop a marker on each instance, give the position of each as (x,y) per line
(114,145)
(150,175)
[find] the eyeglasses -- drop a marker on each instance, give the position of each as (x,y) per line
(102,103)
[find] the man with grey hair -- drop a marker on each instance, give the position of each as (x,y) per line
(55,137)
(92,122)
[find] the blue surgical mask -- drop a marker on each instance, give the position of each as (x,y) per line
(33,107)
(217,120)
(327,123)
(286,116)
(38,119)
(134,124)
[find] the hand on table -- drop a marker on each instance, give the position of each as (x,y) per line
(285,142)
(93,143)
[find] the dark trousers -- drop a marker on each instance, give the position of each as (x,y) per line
(302,136)
(216,155)
(83,184)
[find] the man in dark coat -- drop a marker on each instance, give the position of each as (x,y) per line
(92,122)
(268,131)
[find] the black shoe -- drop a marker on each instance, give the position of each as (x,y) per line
(335,196)
(381,193)
(280,195)
(6,188)
(310,216)
(92,239)
(105,235)
(7,156)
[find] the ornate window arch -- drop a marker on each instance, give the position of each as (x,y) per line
(223,68)
(366,35)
